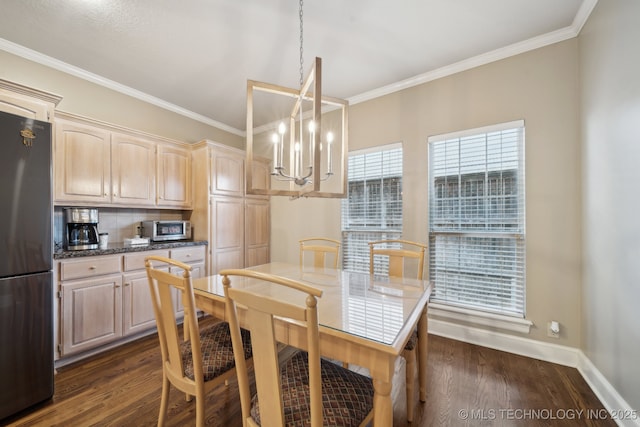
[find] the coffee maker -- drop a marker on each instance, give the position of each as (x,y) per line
(81,228)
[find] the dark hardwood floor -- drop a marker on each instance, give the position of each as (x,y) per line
(468,385)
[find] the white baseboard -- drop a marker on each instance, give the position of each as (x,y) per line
(618,407)
(560,354)
(554,353)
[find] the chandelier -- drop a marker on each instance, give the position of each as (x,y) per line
(300,133)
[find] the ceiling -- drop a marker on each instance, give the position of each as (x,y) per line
(195,56)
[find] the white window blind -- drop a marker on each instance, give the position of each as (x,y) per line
(372,209)
(477,219)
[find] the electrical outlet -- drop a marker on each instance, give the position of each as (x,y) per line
(553,329)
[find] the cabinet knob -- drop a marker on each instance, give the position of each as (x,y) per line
(115,195)
(106,194)
(93,267)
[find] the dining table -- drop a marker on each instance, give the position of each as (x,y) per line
(364,320)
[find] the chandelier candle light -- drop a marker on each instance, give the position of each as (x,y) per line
(312,148)
(278,154)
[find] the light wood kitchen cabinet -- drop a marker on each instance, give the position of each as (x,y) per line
(85,268)
(27,102)
(236,226)
(104,165)
(174,176)
(137,308)
(227,233)
(133,170)
(261,174)
(82,163)
(104,299)
(257,231)
(92,313)
(194,256)
(189,255)
(227,172)
(138,314)
(90,303)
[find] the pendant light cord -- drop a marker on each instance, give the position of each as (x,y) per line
(301,57)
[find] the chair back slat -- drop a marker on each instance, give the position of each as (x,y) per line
(266,353)
(321,248)
(397,251)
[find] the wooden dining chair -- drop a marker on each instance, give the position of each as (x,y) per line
(205,358)
(320,247)
(397,253)
(304,390)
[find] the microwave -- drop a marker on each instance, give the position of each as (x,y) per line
(162,231)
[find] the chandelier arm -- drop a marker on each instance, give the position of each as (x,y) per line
(284,175)
(309,174)
(285,179)
(326,176)
(290,177)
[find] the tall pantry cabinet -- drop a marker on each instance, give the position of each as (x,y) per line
(236,225)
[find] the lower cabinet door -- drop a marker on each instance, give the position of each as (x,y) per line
(197,271)
(137,307)
(91,313)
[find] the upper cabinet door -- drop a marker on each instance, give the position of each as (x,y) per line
(261,174)
(227,172)
(174,176)
(82,163)
(133,170)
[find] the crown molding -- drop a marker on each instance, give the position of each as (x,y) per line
(56,64)
(28,91)
(583,14)
(495,55)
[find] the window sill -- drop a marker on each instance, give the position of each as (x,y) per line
(474,317)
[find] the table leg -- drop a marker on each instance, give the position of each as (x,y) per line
(422,354)
(382,403)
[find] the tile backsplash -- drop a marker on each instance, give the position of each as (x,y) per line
(120,223)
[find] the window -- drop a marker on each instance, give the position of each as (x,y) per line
(372,209)
(477,219)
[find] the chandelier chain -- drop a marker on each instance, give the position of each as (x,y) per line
(301,57)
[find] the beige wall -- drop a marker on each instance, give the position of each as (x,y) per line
(610,65)
(97,102)
(540,87)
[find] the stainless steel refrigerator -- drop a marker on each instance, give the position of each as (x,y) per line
(26,299)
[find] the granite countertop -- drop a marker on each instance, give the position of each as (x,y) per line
(120,248)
